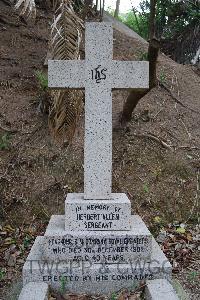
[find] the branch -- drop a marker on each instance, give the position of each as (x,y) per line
(175,98)
(185,127)
(157,139)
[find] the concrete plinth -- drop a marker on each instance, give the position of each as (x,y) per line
(34,291)
(94,215)
(160,289)
(96,246)
(86,277)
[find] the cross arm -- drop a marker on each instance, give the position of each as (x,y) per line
(130,75)
(66,74)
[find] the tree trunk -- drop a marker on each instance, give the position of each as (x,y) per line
(103,6)
(130,104)
(153,51)
(152,19)
(116,14)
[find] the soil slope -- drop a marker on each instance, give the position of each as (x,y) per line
(156,157)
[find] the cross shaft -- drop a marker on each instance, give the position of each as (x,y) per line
(98,74)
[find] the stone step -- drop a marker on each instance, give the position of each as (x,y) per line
(34,291)
(96,246)
(86,277)
(160,289)
(87,215)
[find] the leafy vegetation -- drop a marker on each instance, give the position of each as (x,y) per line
(172,17)
(162,77)
(137,22)
(146,188)
(63,282)
(42,80)
(177,25)
(2,273)
(143,55)
(5,142)
(113,296)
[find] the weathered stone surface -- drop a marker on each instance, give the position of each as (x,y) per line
(160,289)
(130,74)
(34,291)
(98,111)
(84,277)
(66,74)
(98,144)
(98,75)
(113,214)
(100,246)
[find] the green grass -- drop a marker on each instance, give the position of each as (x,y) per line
(5,141)
(42,80)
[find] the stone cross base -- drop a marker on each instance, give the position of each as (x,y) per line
(96,248)
(155,289)
(86,215)
(94,278)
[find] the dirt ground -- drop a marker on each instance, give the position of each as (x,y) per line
(156,157)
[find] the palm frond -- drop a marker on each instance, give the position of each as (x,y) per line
(66,32)
(65,113)
(66,36)
(26,7)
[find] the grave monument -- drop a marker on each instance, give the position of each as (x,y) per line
(97,247)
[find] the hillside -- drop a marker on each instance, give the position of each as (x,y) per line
(156,157)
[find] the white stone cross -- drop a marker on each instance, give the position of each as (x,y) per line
(98,74)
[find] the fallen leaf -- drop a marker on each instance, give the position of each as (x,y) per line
(180,230)
(12,261)
(21,261)
(3,233)
(9,241)
(157,219)
(134,297)
(189,237)
(161,237)
(9,228)
(122,296)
